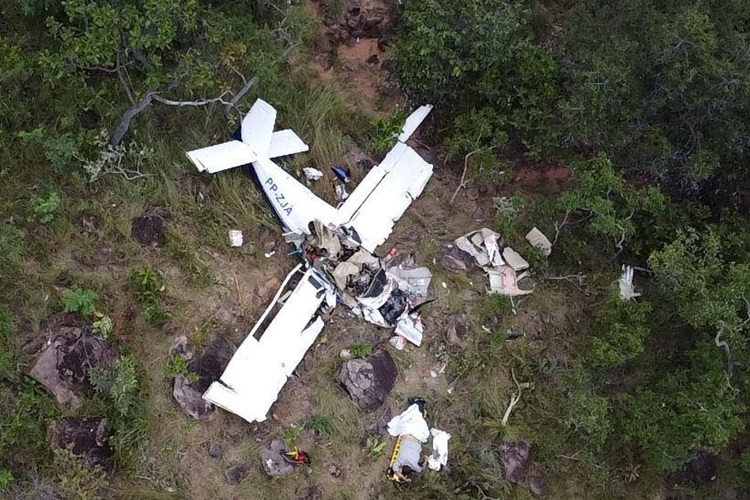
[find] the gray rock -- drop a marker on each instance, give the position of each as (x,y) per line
(515,459)
(458,327)
(538,486)
(203,370)
(236,474)
(368,381)
(456,260)
(310,493)
(215,450)
(273,464)
(71,348)
(88,438)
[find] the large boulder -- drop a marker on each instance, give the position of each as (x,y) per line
(71,348)
(273,463)
(368,381)
(203,370)
(236,474)
(87,437)
(515,459)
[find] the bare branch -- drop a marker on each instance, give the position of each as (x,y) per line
(119,133)
(513,400)
(244,90)
(462,184)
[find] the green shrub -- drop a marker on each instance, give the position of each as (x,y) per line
(387,130)
(76,480)
(80,300)
(43,208)
(360,350)
(148,286)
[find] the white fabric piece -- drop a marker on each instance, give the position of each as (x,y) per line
(235,238)
(312,174)
(627,290)
(410,327)
(439,456)
(411,422)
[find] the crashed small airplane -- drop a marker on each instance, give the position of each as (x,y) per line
(336,245)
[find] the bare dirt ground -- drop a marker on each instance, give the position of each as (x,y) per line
(178,458)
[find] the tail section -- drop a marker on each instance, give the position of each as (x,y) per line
(257,127)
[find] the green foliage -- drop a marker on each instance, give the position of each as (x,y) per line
(177,366)
(148,286)
(321,426)
(360,350)
(6,477)
(589,415)
(77,480)
(80,300)
(657,84)
(122,387)
(479,57)
(388,129)
(621,331)
(43,208)
(104,326)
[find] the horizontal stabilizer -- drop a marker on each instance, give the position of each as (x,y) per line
(414,121)
(286,142)
(257,127)
(221,156)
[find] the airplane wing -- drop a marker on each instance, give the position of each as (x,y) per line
(221,156)
(413,121)
(380,201)
(257,127)
(259,368)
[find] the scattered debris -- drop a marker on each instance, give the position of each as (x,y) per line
(439,456)
(368,381)
(312,174)
(188,388)
(341,192)
(235,238)
(539,240)
(504,280)
(71,349)
(627,290)
(236,474)
(150,229)
(88,437)
(484,246)
(272,461)
(515,459)
(342,175)
(398,342)
(456,260)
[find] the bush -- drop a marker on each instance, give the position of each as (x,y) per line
(76,480)
(80,300)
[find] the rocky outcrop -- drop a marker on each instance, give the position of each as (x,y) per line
(87,438)
(70,349)
(368,381)
(515,460)
(203,370)
(273,463)
(150,229)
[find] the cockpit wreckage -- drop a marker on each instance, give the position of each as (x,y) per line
(336,246)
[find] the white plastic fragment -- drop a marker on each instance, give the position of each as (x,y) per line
(341,192)
(627,290)
(235,238)
(411,422)
(503,280)
(411,328)
(539,240)
(514,259)
(439,456)
(312,174)
(398,342)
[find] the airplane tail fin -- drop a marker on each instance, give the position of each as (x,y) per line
(257,127)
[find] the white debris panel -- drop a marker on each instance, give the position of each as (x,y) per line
(499,261)
(439,456)
(627,290)
(259,369)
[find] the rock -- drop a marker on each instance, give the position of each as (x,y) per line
(181,347)
(273,464)
(335,471)
(515,459)
(236,474)
(368,381)
(71,349)
(88,437)
(538,486)
(203,370)
(228,314)
(703,468)
(373,59)
(380,424)
(458,326)
(34,345)
(215,450)
(456,260)
(310,493)
(150,229)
